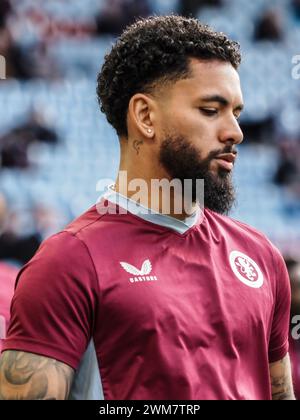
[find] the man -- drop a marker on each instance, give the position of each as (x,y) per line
(177,305)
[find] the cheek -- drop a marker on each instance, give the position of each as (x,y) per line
(194,127)
(203,128)
(183,120)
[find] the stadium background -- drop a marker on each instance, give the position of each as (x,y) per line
(55,145)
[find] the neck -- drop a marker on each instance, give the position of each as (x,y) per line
(154,192)
(141,174)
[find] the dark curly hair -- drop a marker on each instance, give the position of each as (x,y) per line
(152,51)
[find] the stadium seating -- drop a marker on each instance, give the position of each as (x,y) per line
(66,175)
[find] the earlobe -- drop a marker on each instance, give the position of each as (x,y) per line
(141,114)
(150,133)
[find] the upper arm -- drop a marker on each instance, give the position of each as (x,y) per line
(281,379)
(60,285)
(27,376)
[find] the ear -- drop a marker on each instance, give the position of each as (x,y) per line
(141,114)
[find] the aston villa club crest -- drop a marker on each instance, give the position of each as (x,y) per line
(246,269)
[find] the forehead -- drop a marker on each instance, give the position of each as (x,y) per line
(210,77)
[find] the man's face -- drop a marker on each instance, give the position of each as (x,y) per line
(199,131)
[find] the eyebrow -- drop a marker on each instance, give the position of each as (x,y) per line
(221,100)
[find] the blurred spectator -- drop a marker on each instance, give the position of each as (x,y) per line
(37,63)
(14,145)
(192,7)
(47,219)
(26,62)
(287,168)
(51,28)
(13,248)
(293,267)
(5,10)
(296,8)
(16,66)
(8,276)
(18,241)
(16,249)
(269,27)
(260,131)
(117,14)
(288,176)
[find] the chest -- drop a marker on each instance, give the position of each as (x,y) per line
(185,290)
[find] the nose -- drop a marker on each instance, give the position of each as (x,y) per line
(231,132)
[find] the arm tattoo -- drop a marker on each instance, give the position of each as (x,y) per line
(136,145)
(26,376)
(281,380)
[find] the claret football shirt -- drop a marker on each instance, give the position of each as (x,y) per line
(171,312)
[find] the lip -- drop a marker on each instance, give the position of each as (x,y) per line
(226,161)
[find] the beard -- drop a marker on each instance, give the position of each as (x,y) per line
(182,161)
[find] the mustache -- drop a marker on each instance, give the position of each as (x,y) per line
(215,153)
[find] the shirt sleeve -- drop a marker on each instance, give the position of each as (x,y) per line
(53,309)
(279,338)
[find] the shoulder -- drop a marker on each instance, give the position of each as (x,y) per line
(71,241)
(242,233)
(63,258)
(233,226)
(88,220)
(100,220)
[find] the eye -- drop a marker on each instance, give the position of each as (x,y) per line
(210,112)
(237,117)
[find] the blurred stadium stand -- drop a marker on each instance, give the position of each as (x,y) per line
(61,179)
